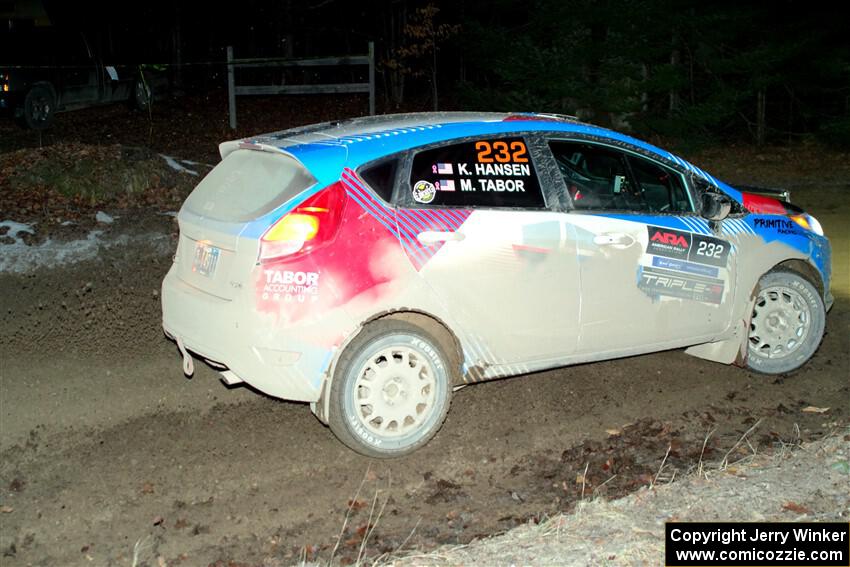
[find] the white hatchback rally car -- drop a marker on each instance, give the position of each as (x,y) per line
(371,267)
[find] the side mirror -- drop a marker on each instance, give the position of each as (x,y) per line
(715,206)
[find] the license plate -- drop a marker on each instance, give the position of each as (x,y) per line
(206,259)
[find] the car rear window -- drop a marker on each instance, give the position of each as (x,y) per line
(493,172)
(248,184)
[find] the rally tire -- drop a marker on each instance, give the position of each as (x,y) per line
(391,389)
(787,323)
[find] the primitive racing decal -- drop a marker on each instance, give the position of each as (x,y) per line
(686,246)
(780,225)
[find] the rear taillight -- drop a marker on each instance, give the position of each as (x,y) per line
(313,224)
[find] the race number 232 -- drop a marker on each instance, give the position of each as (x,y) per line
(710,249)
(501,152)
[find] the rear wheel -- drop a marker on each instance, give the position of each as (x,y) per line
(787,323)
(391,389)
(38,108)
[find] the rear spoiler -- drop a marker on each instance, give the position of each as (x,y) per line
(226,148)
(779,194)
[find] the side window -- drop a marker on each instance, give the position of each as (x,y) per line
(596,177)
(662,189)
(493,172)
(600,178)
(381,178)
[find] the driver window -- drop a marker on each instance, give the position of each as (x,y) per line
(662,189)
(596,177)
(600,178)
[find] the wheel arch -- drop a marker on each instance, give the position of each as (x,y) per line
(805,269)
(49,86)
(431,323)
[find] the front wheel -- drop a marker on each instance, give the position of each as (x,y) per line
(391,390)
(787,323)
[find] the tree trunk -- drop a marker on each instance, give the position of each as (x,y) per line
(675,60)
(434,72)
(761,125)
(177,51)
(395,76)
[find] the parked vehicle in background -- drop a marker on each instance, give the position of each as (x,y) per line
(46,69)
(370,267)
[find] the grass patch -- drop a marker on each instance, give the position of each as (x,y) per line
(68,179)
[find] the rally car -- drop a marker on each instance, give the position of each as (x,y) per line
(371,267)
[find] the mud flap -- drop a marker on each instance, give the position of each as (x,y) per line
(729,351)
(188,363)
(732,350)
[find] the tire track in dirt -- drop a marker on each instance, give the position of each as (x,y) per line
(262,478)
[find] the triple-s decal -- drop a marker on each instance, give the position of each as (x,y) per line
(684,265)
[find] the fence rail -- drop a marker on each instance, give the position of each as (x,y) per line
(326,88)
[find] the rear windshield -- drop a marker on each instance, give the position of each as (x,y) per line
(248,184)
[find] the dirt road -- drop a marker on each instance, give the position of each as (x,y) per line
(105,444)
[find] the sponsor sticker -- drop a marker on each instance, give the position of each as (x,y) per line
(685,246)
(680,266)
(656,282)
(289,286)
(780,225)
(668,242)
(424,192)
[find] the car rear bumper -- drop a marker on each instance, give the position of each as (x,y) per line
(223,333)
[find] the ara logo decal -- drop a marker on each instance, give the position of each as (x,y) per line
(670,238)
(668,242)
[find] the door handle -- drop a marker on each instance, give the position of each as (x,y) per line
(435,236)
(613,239)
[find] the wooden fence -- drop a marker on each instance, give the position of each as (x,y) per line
(324,88)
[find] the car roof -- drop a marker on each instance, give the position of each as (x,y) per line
(366,125)
(326,148)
